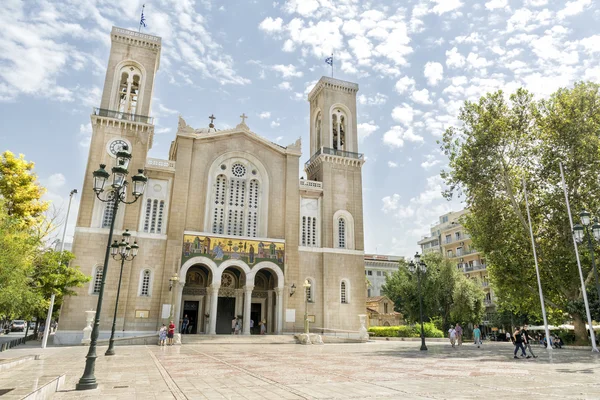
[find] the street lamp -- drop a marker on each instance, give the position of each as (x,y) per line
(306,287)
(419,267)
(120,252)
(118,195)
(580,231)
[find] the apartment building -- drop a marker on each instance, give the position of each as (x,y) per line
(377,267)
(449,237)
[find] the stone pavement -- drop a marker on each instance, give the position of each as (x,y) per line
(375,370)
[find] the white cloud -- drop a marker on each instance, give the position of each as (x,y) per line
(365,130)
(404,84)
(444,6)
(429,162)
(163,110)
(287,71)
(271,25)
(392,164)
(591,44)
(495,4)
(403,114)
(573,8)
(434,72)
(454,59)
(264,115)
(377,100)
(285,85)
(390,203)
(421,96)
(305,8)
(397,135)
(55,181)
(476,62)
(85,135)
(274,124)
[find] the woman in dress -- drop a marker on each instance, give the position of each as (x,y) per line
(263,327)
(162,335)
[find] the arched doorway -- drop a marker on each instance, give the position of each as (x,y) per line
(230,300)
(194,298)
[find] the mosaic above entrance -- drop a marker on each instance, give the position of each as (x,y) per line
(220,249)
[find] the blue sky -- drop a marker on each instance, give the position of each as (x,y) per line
(415,61)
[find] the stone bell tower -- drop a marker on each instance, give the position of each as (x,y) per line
(123,118)
(337,164)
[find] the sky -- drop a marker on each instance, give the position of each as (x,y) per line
(416,62)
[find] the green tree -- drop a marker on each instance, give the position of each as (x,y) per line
(53,274)
(503,140)
(20,190)
(440,296)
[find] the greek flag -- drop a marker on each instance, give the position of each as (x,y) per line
(143,19)
(329,60)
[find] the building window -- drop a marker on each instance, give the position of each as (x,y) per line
(338,129)
(341,233)
(153,217)
(318,123)
(459,251)
(378,273)
(97,280)
(129,89)
(369,273)
(343,293)
(109,207)
(457,235)
(145,290)
(368,292)
(449,254)
(309,231)
(385,308)
(448,238)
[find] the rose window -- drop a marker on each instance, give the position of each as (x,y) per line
(226,281)
(238,170)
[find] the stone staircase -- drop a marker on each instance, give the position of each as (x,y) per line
(237,339)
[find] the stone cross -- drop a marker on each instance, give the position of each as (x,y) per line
(212,118)
(243,117)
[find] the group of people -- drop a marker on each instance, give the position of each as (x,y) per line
(522,341)
(165,335)
(236,326)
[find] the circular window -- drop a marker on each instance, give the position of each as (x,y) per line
(226,280)
(223,167)
(254,172)
(238,170)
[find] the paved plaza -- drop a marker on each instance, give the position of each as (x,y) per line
(375,370)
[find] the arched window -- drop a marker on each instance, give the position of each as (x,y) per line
(309,231)
(236,200)
(344,298)
(338,129)
(318,125)
(109,207)
(97,280)
(129,89)
(341,233)
(145,283)
(153,217)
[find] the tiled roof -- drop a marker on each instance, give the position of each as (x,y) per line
(375,299)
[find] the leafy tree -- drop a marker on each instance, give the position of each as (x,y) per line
(504,140)
(467,301)
(439,288)
(52,274)
(20,190)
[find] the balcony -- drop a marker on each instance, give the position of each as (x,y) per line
(160,165)
(101,112)
(313,186)
(334,152)
(470,268)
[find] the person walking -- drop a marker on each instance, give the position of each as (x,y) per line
(170,333)
(518,342)
(477,335)
(184,325)
(452,336)
(263,327)
(238,326)
(162,335)
(527,340)
(251,326)
(459,333)
(233,324)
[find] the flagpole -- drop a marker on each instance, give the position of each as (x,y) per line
(332,64)
(537,270)
(585,299)
(140,27)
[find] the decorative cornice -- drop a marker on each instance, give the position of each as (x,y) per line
(334,84)
(135,38)
(321,158)
(331,250)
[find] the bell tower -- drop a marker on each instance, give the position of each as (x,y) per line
(123,118)
(337,164)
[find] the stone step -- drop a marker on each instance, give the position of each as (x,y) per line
(237,339)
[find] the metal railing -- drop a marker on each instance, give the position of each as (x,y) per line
(334,152)
(15,342)
(478,267)
(102,112)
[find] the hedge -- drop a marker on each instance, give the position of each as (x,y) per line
(405,331)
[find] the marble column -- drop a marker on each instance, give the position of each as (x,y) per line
(214,299)
(178,288)
(270,313)
(206,309)
(247,304)
(239,297)
(279,313)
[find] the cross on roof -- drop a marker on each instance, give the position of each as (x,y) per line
(212,118)
(243,117)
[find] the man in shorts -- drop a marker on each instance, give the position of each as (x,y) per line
(170,333)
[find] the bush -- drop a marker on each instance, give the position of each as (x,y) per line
(406,331)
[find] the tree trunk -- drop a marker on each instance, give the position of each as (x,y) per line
(581,336)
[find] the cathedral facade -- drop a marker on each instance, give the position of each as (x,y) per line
(227,226)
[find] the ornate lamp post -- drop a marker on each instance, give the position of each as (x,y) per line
(117,195)
(419,267)
(120,252)
(581,231)
(306,287)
